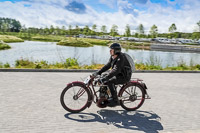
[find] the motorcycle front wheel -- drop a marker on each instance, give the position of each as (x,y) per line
(75,97)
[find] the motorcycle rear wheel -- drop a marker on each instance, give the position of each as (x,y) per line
(132,97)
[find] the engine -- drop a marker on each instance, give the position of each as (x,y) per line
(103,97)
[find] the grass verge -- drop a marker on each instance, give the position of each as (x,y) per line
(72,63)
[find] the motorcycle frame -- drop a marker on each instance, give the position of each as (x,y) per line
(94,93)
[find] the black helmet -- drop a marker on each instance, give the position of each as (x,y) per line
(117,47)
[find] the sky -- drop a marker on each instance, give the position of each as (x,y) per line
(44,13)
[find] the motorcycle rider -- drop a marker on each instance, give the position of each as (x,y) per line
(119,74)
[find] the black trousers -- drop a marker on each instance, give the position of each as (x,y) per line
(115,81)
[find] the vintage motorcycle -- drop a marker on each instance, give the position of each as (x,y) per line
(77,95)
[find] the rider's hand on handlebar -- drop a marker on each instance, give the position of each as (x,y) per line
(101,80)
(94,74)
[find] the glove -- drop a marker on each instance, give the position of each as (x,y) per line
(95,74)
(102,80)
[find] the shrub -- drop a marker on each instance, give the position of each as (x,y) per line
(6,65)
(71,62)
(1,65)
(197,66)
(24,63)
(41,64)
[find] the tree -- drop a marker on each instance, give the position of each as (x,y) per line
(15,25)
(86,30)
(77,30)
(177,35)
(41,31)
(198,23)
(103,29)
(154,31)
(8,24)
(5,27)
(141,29)
(70,30)
(196,35)
(52,29)
(127,31)
(94,28)
(57,30)
(63,30)
(46,31)
(22,31)
(172,28)
(114,30)
(136,35)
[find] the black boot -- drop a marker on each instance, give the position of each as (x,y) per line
(113,101)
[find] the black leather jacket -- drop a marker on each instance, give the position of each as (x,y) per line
(120,68)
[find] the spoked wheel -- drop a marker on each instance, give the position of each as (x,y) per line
(75,97)
(132,97)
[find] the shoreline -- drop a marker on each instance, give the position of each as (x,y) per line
(91,70)
(176,47)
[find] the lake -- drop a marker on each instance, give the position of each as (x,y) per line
(49,51)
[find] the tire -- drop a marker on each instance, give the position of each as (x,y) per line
(132,96)
(75,97)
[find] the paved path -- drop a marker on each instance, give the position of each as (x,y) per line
(29,102)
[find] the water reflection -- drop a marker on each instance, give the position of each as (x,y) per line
(52,53)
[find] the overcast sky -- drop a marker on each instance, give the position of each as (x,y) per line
(41,13)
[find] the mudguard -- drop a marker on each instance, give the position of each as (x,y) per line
(142,85)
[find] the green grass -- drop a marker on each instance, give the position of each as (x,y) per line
(70,63)
(9,39)
(135,45)
(4,46)
(74,42)
(95,41)
(49,38)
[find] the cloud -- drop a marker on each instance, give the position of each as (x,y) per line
(139,1)
(76,7)
(109,3)
(64,12)
(184,18)
(126,7)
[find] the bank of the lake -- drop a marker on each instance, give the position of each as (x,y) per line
(47,38)
(8,39)
(72,63)
(61,39)
(176,47)
(4,46)
(97,54)
(72,41)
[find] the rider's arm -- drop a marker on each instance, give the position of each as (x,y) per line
(106,67)
(116,68)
